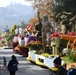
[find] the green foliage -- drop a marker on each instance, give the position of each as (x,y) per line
(23,25)
(64,12)
(65,5)
(12,28)
(35,46)
(70,57)
(47,50)
(37,52)
(74,28)
(6,37)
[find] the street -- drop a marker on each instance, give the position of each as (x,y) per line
(25,67)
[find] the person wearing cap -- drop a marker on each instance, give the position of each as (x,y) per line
(61,70)
(47,29)
(13,65)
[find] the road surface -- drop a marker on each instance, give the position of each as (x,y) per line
(25,67)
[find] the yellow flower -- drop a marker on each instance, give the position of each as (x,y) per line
(54,69)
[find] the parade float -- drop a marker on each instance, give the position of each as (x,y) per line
(21,39)
(39,55)
(62,44)
(19,42)
(45,57)
(5,42)
(70,56)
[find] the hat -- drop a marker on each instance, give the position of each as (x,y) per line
(57,60)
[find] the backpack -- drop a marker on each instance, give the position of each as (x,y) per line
(12,66)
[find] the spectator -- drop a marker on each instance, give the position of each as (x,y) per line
(72,70)
(12,65)
(61,69)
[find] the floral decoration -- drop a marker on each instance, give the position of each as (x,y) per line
(35,45)
(56,34)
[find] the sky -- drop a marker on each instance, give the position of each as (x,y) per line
(4,3)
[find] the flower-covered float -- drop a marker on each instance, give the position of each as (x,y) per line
(68,47)
(46,57)
(21,40)
(62,44)
(33,48)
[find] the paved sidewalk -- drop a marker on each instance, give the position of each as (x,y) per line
(3,71)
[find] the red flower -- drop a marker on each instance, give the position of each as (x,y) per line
(56,34)
(70,33)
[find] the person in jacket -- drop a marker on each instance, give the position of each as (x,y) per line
(13,65)
(72,70)
(61,70)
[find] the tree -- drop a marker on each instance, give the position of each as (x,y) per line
(23,25)
(6,29)
(42,6)
(64,5)
(64,11)
(33,20)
